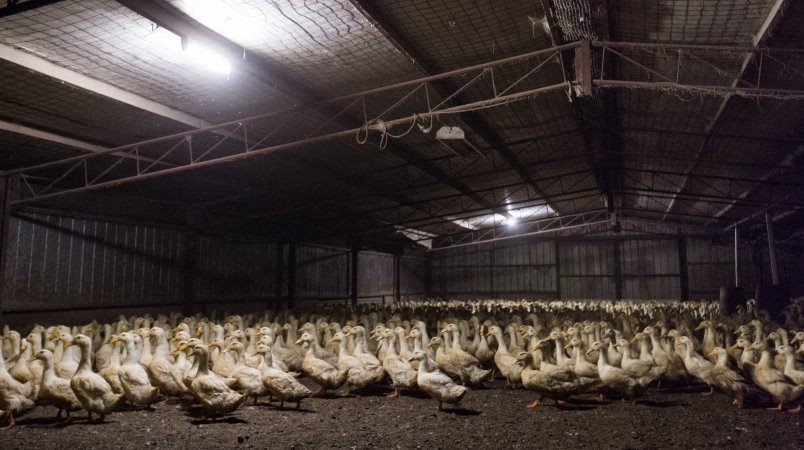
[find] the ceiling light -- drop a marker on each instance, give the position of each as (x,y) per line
(455,139)
(205,57)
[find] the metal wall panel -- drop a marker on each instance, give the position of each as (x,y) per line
(587,269)
(322,272)
(231,269)
(412,277)
(59,262)
(375,274)
(650,269)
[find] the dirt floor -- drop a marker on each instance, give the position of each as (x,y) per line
(487,418)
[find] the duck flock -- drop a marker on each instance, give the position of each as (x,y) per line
(554,350)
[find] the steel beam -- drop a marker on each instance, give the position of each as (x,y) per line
(477,124)
(17,6)
(98,87)
(774,13)
(788,162)
(771,249)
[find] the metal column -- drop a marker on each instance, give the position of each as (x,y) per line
(397,278)
(683,270)
(772,249)
(354,253)
(280,276)
(189,263)
(8,192)
(291,300)
(736,260)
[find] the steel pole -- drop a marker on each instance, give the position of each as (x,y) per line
(772,249)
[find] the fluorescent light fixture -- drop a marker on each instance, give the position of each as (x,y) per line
(455,140)
(206,58)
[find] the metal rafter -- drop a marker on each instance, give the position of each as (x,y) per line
(774,13)
(477,124)
(233,130)
(180,23)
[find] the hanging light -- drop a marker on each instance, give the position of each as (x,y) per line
(205,57)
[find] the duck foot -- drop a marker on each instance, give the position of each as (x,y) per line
(600,397)
(560,402)
(10,422)
(534,403)
(795,410)
(711,392)
(394,394)
(777,408)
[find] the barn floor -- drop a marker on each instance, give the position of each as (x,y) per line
(487,418)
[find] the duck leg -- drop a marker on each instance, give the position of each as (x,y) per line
(58,415)
(440,406)
(778,408)
(534,403)
(10,422)
(711,391)
(394,394)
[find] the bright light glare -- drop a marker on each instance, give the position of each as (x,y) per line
(207,58)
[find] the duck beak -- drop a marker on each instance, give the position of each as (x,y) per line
(795,339)
(634,338)
(590,351)
(114,340)
(712,354)
(567,347)
(32,359)
(68,344)
(172,340)
(699,327)
(299,342)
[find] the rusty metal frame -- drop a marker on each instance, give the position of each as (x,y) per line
(245,146)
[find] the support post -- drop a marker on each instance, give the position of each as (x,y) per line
(736,259)
(397,278)
(189,266)
(618,275)
(556,249)
(428,274)
(291,268)
(772,248)
(280,276)
(8,192)
(683,270)
(354,253)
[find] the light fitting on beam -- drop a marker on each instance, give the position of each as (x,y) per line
(205,57)
(455,140)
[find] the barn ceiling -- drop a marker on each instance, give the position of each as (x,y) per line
(419,118)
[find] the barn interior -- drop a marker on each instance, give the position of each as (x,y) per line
(246,162)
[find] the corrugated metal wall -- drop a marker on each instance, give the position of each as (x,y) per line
(375,276)
(586,268)
(58,262)
(321,272)
(650,269)
(412,277)
(229,269)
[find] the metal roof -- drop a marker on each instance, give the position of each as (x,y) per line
(326,124)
